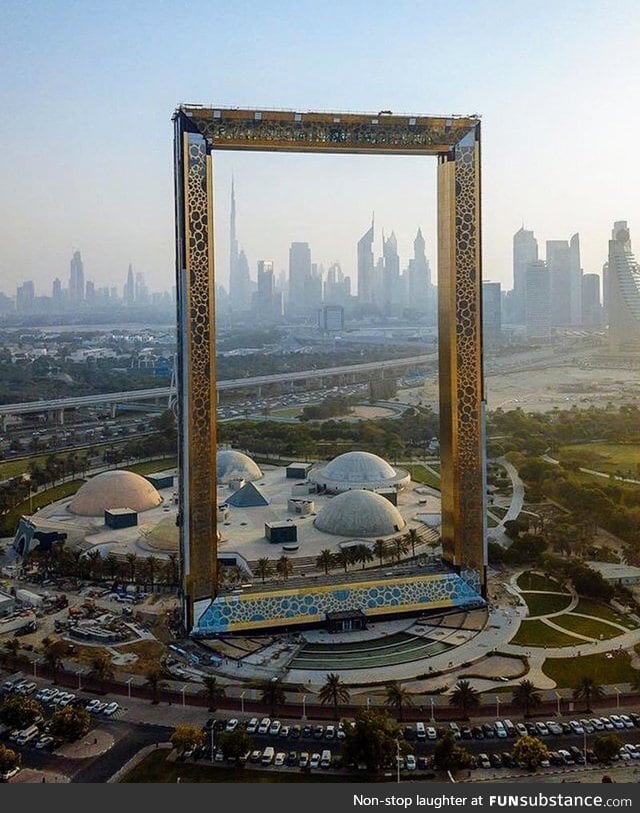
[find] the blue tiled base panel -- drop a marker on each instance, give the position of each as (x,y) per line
(288,607)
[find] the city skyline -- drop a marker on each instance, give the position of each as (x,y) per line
(94,182)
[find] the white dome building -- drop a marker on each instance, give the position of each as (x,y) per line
(358,470)
(114,489)
(232,465)
(359,513)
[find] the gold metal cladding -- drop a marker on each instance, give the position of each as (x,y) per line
(456,143)
(200,423)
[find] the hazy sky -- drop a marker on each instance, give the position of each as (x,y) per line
(88,89)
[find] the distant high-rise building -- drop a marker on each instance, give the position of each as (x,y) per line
(420,291)
(25,297)
(392,298)
(331,318)
(56,292)
(591,307)
(366,292)
(623,291)
(267,302)
(337,286)
(559,265)
(538,300)
(525,251)
(492,311)
(76,279)
(141,292)
(239,275)
(129,289)
(299,278)
(90,292)
(575,280)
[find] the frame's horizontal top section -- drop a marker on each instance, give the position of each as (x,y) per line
(280,130)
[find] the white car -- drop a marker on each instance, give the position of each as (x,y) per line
(576,727)
(274,728)
(44,742)
(431,733)
(92,704)
(597,724)
(110,708)
(484,761)
(410,762)
(252,725)
(284,732)
(588,727)
(628,722)
(624,754)
(231,725)
(314,762)
(280,759)
(7,775)
(330,732)
(341,733)
(501,731)
(616,720)
(554,727)
(521,729)
(263,728)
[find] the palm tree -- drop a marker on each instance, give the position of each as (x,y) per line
(400,547)
(362,554)
(272,694)
(325,560)
(213,691)
(526,697)
(153,679)
(284,567)
(380,550)
(343,557)
(398,697)
(172,570)
(132,561)
(112,565)
(587,690)
(465,697)
(413,539)
(12,647)
(334,691)
(53,656)
(101,670)
(264,568)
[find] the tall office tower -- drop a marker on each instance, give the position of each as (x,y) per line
(525,251)
(623,294)
(76,279)
(591,308)
(337,286)
(420,294)
(56,293)
(141,293)
(299,275)
(25,297)
(239,276)
(331,318)
(113,293)
(605,293)
(266,301)
(559,265)
(491,311)
(365,267)
(129,289)
(575,282)
(392,291)
(90,292)
(313,291)
(538,300)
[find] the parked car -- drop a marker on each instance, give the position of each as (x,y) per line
(304,760)
(432,734)
(231,725)
(280,759)
(501,731)
(314,762)
(484,761)
(263,728)
(521,729)
(542,729)
(252,725)
(110,709)
(410,762)
(284,732)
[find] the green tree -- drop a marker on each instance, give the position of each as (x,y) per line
(325,561)
(529,751)
(153,681)
(587,690)
(334,691)
(53,655)
(606,746)
(12,647)
(398,697)
(373,740)
(187,736)
(101,669)
(448,755)
(343,558)
(399,546)
(18,711)
(235,744)
(380,550)
(362,554)
(272,694)
(413,539)
(213,691)
(526,697)
(9,759)
(465,697)
(70,723)
(284,567)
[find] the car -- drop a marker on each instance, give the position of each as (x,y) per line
(7,687)
(307,731)
(252,725)
(325,759)
(303,762)
(507,760)
(531,729)
(90,706)
(454,728)
(280,759)
(586,724)
(210,724)
(555,759)
(295,732)
(330,732)
(219,757)
(542,729)
(44,742)
(591,757)
(231,725)
(410,762)
(622,754)
(292,758)
(29,688)
(97,709)
(219,725)
(566,728)
(478,733)
(400,763)
(110,709)
(7,775)
(501,731)
(635,717)
(314,762)
(576,727)
(606,722)
(566,757)
(511,729)
(488,730)
(409,733)
(626,719)
(318,732)
(617,721)
(284,732)
(597,724)
(635,753)
(421,733)
(432,734)
(577,754)
(341,733)
(424,763)
(484,761)
(268,755)
(255,757)
(554,727)
(66,700)
(496,760)
(17,687)
(263,728)
(466,732)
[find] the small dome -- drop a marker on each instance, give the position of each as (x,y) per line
(359,513)
(114,489)
(232,465)
(358,470)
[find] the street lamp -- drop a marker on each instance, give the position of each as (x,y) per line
(183,690)
(558,699)
(304,706)
(497,706)
(617,691)
(242,702)
(397,760)
(584,744)
(79,680)
(35,662)
(433,713)
(129,687)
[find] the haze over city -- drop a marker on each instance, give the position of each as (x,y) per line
(86,157)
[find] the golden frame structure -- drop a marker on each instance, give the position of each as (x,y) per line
(455,141)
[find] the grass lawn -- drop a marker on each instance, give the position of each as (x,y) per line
(155,768)
(590,607)
(10,520)
(606,457)
(536,633)
(567,672)
(420,474)
(584,626)
(545,603)
(491,522)
(287,412)
(535,581)
(152,466)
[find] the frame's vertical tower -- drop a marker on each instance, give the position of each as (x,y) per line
(196,366)
(460,360)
